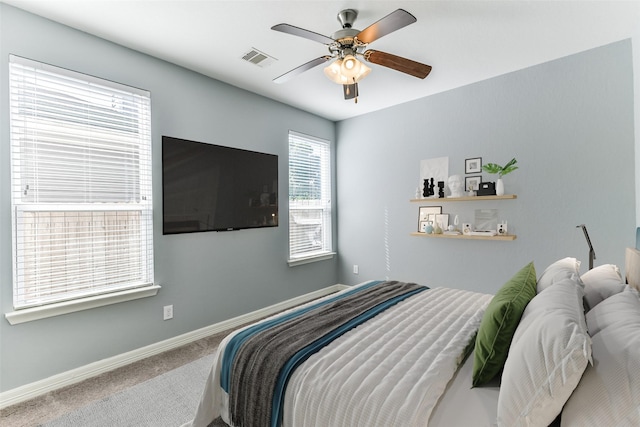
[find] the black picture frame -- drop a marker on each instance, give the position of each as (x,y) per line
(473,165)
(473,179)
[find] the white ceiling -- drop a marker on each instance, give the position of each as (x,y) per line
(464,41)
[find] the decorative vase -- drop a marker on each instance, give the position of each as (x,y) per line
(437,229)
(429,228)
(499,187)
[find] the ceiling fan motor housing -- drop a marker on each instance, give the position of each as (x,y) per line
(346,42)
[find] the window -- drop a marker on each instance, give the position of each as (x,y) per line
(80,185)
(309,198)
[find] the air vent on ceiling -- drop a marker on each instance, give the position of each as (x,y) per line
(258,58)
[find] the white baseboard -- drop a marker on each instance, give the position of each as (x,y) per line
(35,389)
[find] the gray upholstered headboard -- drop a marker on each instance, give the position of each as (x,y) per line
(632,267)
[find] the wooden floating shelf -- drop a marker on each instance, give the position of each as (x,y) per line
(465,236)
(463,199)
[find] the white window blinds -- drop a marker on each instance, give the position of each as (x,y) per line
(309,196)
(80,185)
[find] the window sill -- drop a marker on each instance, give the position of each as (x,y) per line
(314,258)
(65,307)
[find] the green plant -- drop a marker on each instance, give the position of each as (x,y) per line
(501,170)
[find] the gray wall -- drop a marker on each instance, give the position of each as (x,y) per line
(636,66)
(208,277)
(569,123)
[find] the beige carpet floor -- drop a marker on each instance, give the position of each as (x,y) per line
(52,405)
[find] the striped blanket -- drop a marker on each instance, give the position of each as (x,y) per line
(259,361)
(389,371)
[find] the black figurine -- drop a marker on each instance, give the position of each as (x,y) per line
(441,189)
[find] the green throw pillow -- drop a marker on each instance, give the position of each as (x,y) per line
(499,323)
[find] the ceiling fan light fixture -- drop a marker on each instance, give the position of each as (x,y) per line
(346,71)
(353,69)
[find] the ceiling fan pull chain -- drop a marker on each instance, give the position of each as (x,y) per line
(355,99)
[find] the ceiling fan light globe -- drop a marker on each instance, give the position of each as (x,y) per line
(364,71)
(333,72)
(350,66)
(350,62)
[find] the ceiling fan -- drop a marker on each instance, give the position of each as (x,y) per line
(347,44)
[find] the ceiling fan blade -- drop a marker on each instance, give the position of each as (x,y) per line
(398,63)
(390,23)
(301,32)
(301,69)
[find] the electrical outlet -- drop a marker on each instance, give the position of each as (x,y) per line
(168,312)
(355,269)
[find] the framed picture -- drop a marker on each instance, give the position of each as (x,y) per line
(427,213)
(486,219)
(423,226)
(473,165)
(442,220)
(472,182)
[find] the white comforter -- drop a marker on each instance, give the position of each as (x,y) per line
(390,371)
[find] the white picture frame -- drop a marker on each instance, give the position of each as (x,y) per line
(442,220)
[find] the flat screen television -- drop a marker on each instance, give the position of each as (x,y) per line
(207,187)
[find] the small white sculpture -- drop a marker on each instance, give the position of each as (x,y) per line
(455,186)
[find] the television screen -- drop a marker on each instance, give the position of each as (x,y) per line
(208,187)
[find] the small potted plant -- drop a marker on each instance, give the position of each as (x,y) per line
(494,168)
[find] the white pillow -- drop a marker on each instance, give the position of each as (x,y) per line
(609,392)
(600,283)
(549,352)
(566,268)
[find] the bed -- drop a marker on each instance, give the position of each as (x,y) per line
(386,353)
